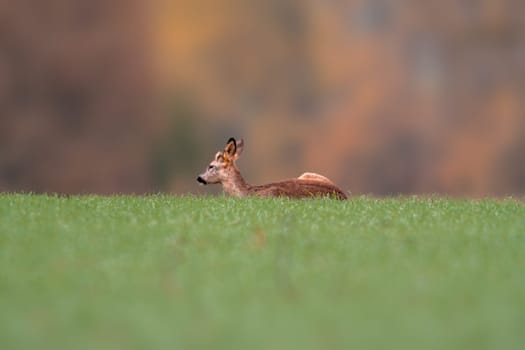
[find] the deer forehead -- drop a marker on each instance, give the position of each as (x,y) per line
(218,156)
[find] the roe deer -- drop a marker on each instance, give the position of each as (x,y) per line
(223,170)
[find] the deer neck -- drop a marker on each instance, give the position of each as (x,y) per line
(235,185)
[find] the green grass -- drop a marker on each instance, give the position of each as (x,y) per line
(123,272)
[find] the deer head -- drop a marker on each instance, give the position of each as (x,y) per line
(222,167)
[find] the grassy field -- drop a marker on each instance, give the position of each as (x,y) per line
(150,272)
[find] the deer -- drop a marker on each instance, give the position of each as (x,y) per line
(223,169)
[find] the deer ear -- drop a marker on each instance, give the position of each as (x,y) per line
(240,147)
(231,147)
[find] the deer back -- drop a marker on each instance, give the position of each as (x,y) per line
(298,188)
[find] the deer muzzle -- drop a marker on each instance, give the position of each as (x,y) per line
(201,180)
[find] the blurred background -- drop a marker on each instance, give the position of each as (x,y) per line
(382,96)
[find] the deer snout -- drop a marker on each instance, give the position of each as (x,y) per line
(201,180)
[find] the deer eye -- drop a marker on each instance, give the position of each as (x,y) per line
(211,167)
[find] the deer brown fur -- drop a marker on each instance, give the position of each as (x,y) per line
(223,170)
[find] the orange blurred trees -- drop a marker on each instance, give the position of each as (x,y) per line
(382,96)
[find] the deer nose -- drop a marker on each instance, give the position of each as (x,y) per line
(201,180)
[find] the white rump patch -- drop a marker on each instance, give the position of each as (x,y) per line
(315,177)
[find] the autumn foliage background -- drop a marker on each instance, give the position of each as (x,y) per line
(382,96)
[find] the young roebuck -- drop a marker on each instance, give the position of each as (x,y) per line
(223,170)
